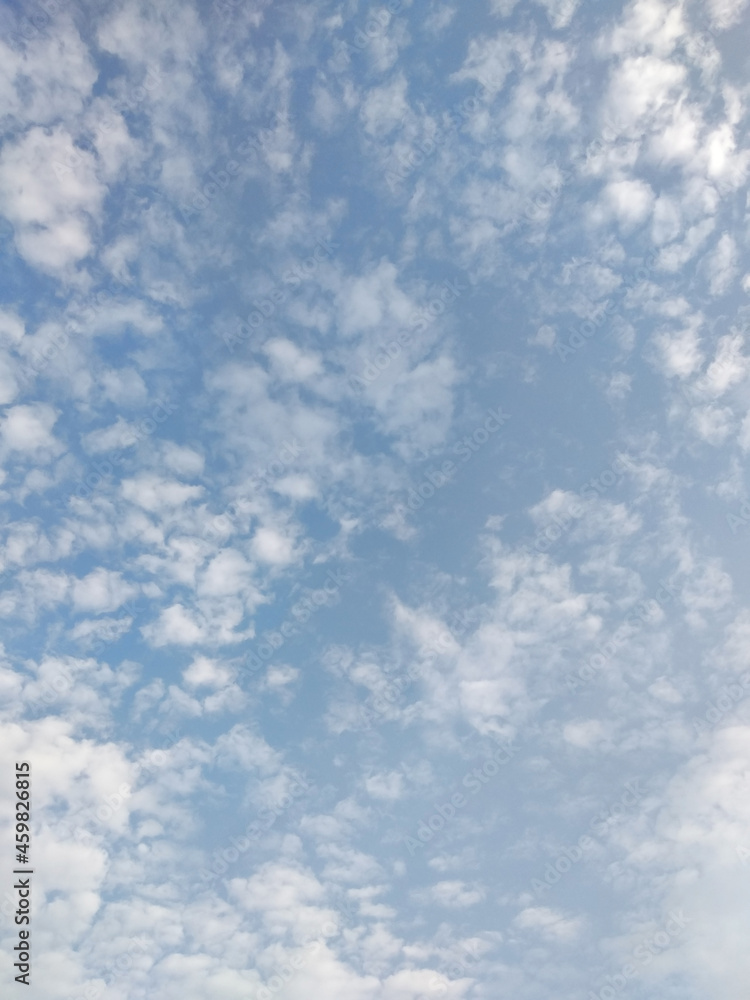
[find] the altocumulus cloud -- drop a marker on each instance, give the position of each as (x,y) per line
(374,430)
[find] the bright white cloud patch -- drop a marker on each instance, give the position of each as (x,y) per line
(49,190)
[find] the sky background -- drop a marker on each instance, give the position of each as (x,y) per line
(374,425)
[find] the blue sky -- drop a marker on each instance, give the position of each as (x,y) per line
(374,423)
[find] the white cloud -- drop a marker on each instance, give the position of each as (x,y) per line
(123,387)
(175,625)
(548,923)
(153,493)
(270,546)
(725,13)
(721,265)
(491,60)
(50,191)
(456,894)
(181,460)
(647,24)
(28,428)
(538,198)
(49,78)
(585,735)
(384,107)
(712,423)
(205,672)
(386,786)
(680,352)
(630,202)
(291,363)
(102,590)
(641,87)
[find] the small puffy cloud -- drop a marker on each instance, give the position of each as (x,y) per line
(29,427)
(91,630)
(290,363)
(50,192)
(584,735)
(102,590)
(548,923)
(279,678)
(712,423)
(680,352)
(365,301)
(387,786)
(123,386)
(664,690)
(721,265)
(544,337)
(181,460)
(153,493)
(206,672)
(490,61)
(707,591)
(619,386)
(175,625)
(113,438)
(12,328)
(270,546)
(456,895)
(629,201)
(228,573)
(384,107)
